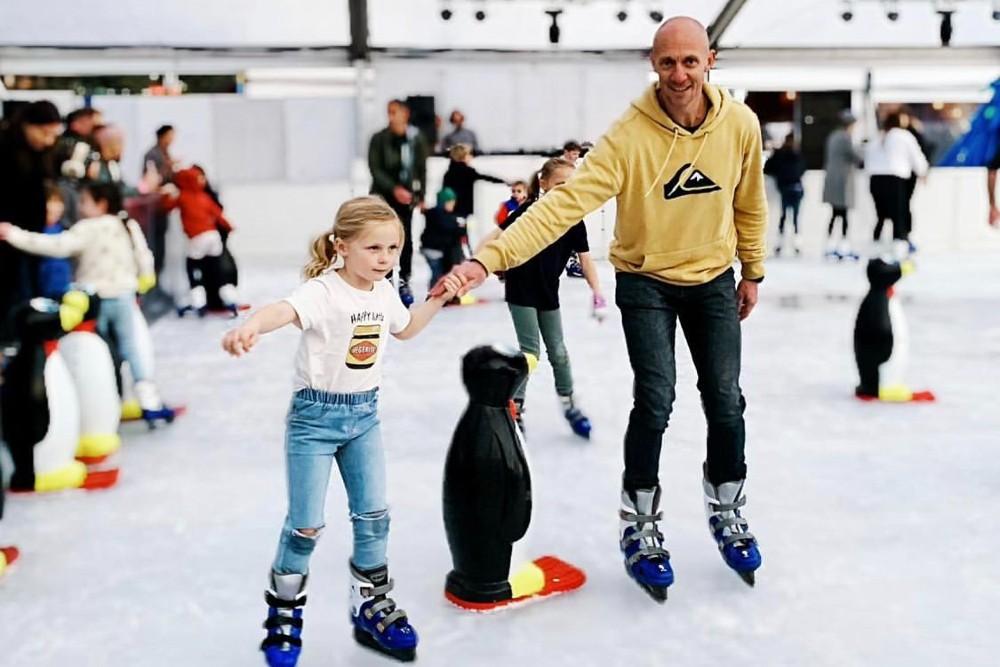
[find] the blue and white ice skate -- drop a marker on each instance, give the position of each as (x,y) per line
(573,267)
(641,542)
(378,624)
(405,293)
(577,420)
(730,530)
(285,600)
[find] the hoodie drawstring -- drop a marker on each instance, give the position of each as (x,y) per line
(666,161)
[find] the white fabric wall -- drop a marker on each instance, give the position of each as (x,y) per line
(277,221)
(239,140)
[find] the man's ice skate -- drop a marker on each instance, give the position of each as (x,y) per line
(285,600)
(378,624)
(641,542)
(736,543)
(577,420)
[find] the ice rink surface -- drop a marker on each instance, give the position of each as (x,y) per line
(877,522)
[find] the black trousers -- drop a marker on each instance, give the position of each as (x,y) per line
(405,214)
(891,203)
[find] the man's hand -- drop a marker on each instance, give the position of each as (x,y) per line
(5,228)
(402,195)
(746,298)
(470,272)
(994,216)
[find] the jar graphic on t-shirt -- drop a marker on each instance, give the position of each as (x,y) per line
(363,348)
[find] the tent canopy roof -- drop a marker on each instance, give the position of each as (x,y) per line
(509,24)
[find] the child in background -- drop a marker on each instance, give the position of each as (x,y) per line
(461,177)
(54,273)
(532,294)
(518,195)
(441,242)
(114,261)
(202,220)
(346,311)
(786,166)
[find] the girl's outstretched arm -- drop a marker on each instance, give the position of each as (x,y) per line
(267,319)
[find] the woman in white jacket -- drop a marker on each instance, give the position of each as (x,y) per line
(115,262)
(890,161)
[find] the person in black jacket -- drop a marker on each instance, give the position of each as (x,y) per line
(441,242)
(397,159)
(27,161)
(787,167)
(461,177)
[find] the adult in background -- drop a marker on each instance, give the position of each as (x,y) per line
(74,152)
(459,135)
(891,159)
(27,161)
(840,161)
(158,158)
(685,164)
(397,159)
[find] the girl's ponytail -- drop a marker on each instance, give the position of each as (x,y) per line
(321,255)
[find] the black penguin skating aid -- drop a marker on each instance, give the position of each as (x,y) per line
(487,493)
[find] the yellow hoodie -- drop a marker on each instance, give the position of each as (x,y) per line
(688,203)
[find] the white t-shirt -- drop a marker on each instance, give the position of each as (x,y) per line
(344,333)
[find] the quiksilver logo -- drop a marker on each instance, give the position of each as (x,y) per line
(696,183)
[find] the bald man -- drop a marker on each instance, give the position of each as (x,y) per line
(684,164)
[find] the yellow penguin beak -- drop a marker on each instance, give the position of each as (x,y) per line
(532,361)
(907,267)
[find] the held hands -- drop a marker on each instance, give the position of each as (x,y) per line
(449,287)
(600,307)
(746,298)
(241,339)
(470,272)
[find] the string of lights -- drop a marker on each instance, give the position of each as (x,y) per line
(944,8)
(478,8)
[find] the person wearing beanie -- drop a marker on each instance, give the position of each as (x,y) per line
(441,242)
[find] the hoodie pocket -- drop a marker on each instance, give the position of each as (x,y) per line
(706,256)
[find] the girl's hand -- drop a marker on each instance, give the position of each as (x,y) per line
(241,339)
(600,307)
(5,228)
(450,286)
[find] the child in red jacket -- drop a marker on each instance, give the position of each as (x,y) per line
(203,222)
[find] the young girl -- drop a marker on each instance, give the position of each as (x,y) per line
(346,310)
(532,294)
(114,261)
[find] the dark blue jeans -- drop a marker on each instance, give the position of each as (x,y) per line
(708,315)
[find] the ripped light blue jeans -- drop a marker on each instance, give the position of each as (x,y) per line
(323,427)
